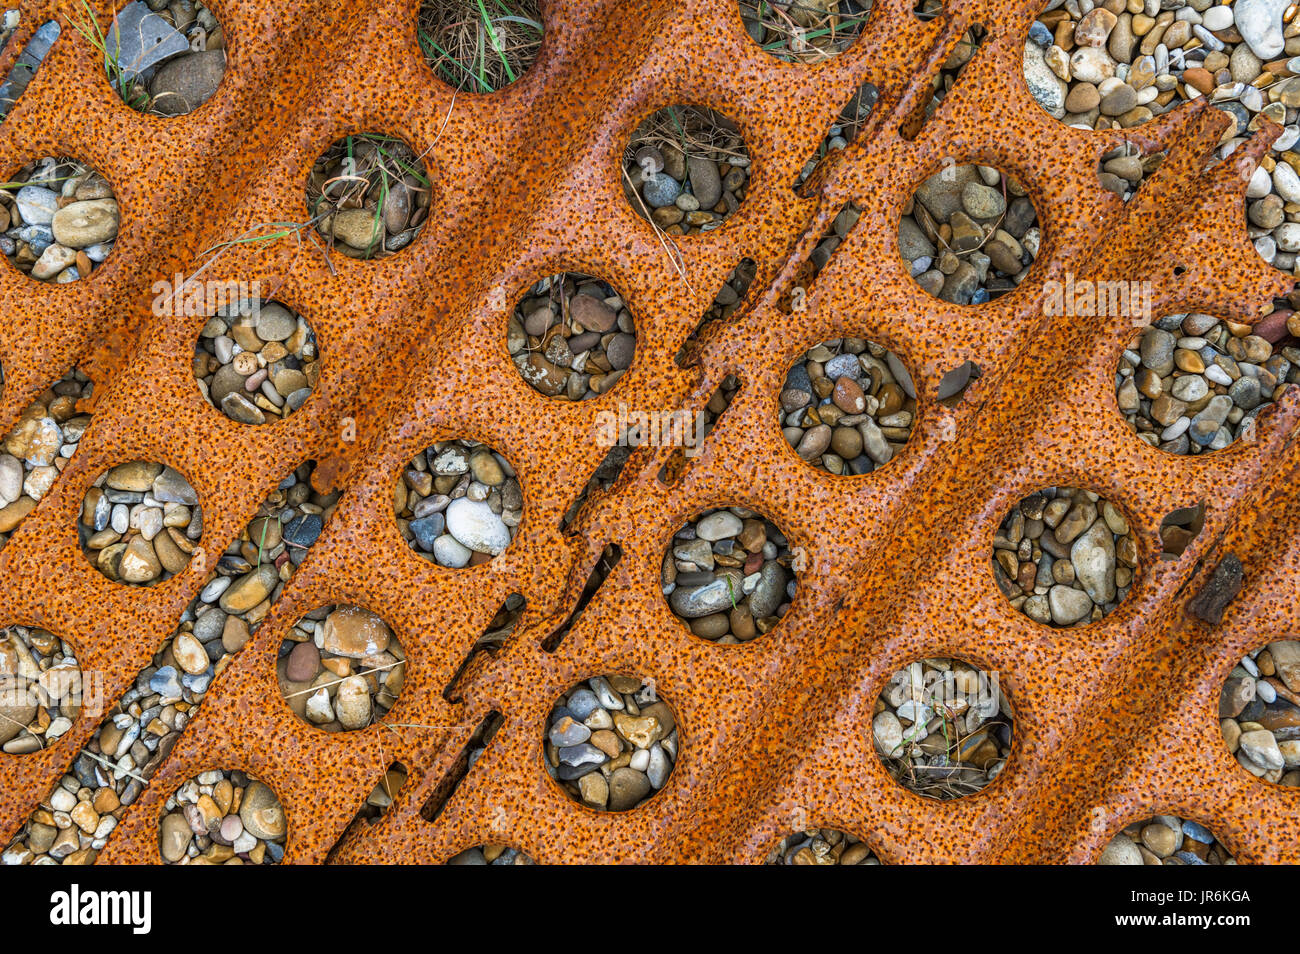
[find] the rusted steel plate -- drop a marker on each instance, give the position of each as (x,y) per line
(1114,722)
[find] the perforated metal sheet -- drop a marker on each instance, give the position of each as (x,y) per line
(1115,722)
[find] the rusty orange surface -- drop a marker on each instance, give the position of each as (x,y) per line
(1115,721)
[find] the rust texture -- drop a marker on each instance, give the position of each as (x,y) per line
(1115,721)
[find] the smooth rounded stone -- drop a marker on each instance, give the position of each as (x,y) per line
(706,184)
(352,703)
(303,663)
(11,478)
(274,322)
(887,732)
(627,788)
(693,602)
(426,530)
(190,654)
(567,731)
(360,229)
(981,201)
(354,632)
(186,82)
(36,205)
(174,836)
(136,476)
(582,703)
(139,562)
(80,224)
(592,313)
(1068,605)
(303,531)
(770,591)
(1260,746)
(450,552)
(660,190)
(476,527)
(1260,24)
(719,526)
(1093,558)
(582,755)
(1162,840)
(250,589)
(1190,388)
(1120,851)
(318,709)
(261,813)
(1044,85)
(170,487)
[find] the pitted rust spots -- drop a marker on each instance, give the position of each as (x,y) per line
(1113,723)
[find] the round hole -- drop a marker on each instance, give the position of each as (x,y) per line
(1191,383)
(140,522)
(729,575)
(1259,712)
(48,432)
(491,855)
(1165,840)
(223,817)
(686,168)
(458,503)
(480,47)
(572,337)
(969,234)
(168,61)
(341,668)
(943,728)
(804,33)
(368,195)
(256,360)
(59,218)
(1064,557)
(611,742)
(821,846)
(847,406)
(40,689)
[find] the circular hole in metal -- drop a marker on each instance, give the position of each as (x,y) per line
(571,336)
(969,234)
(847,406)
(60,220)
(611,742)
(943,728)
(1064,556)
(166,62)
(1191,383)
(480,47)
(223,816)
(341,668)
(729,575)
(140,523)
(686,168)
(256,360)
(368,194)
(804,32)
(458,503)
